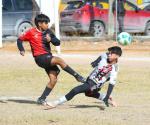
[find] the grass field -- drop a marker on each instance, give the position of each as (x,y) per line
(21,82)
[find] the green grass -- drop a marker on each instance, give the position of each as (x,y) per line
(132,93)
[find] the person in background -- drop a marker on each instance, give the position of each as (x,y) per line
(120,13)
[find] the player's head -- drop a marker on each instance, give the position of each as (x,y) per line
(41,21)
(114,53)
(116,50)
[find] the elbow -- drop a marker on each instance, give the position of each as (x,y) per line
(19,45)
(112,83)
(18,42)
(56,42)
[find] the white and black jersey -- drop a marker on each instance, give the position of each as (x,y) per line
(104,71)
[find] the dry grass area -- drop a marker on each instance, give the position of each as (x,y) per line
(21,81)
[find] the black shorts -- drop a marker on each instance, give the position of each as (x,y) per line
(44,61)
(93,89)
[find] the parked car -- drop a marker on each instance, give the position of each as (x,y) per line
(62,6)
(17,16)
(91,16)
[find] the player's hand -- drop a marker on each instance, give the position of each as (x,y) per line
(105,100)
(112,102)
(93,64)
(22,53)
(48,38)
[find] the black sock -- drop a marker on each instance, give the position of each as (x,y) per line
(69,70)
(45,93)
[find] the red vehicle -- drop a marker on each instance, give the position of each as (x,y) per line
(91,17)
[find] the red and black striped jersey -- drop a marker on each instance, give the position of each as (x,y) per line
(38,42)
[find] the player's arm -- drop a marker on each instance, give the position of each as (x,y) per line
(95,63)
(20,47)
(113,76)
(23,37)
(109,91)
(53,39)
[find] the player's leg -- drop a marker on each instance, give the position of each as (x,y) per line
(93,94)
(79,89)
(65,67)
(121,23)
(53,73)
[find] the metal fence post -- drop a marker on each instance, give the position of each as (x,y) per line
(110,19)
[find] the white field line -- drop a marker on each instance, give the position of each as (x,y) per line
(95,56)
(84,56)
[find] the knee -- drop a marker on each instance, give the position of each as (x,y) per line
(88,93)
(52,83)
(58,60)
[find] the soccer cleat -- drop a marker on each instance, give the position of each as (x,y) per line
(80,79)
(41,101)
(51,104)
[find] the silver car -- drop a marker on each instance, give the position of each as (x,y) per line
(17,16)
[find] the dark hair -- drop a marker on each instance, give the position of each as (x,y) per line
(115,49)
(40,19)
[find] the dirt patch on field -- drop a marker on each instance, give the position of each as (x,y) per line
(89,51)
(86,46)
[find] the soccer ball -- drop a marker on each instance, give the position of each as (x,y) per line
(124,38)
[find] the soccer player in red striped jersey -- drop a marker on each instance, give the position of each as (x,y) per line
(40,38)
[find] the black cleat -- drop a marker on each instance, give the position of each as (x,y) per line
(41,101)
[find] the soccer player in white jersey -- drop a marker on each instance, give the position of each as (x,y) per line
(105,70)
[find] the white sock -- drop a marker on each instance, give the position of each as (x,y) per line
(102,96)
(60,101)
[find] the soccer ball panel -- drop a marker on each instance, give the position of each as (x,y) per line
(124,38)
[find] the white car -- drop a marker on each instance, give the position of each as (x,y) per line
(17,16)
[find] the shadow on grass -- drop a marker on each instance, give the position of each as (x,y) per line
(3,102)
(22,101)
(52,121)
(88,106)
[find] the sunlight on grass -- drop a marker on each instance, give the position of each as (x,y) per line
(132,92)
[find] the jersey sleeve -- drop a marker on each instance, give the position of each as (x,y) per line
(95,62)
(54,40)
(101,63)
(25,36)
(104,55)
